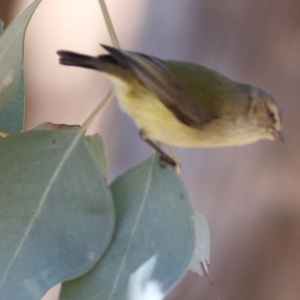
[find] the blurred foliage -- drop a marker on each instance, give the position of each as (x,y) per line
(12,86)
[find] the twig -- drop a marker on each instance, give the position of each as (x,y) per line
(109,24)
(102,104)
(205,271)
(115,43)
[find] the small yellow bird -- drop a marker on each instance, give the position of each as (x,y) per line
(184,104)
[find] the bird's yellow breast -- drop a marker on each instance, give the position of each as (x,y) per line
(160,124)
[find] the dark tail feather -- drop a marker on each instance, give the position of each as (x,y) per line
(119,56)
(75,59)
(103,63)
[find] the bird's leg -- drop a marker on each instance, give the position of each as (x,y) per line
(164,158)
(175,158)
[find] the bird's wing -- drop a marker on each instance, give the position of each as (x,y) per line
(154,74)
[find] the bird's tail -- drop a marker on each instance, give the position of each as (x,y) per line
(103,63)
(75,59)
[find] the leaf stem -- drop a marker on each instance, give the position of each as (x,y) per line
(111,92)
(109,24)
(95,112)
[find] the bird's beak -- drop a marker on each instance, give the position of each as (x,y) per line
(278,137)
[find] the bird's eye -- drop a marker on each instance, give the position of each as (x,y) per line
(271,115)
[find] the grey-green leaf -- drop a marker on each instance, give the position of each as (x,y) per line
(97,147)
(12,115)
(201,252)
(56,212)
(154,216)
(12,88)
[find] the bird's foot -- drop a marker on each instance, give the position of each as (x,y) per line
(164,158)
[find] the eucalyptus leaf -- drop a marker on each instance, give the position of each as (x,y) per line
(56,212)
(97,147)
(201,252)
(12,87)
(154,216)
(12,115)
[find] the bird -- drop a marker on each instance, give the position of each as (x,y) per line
(184,104)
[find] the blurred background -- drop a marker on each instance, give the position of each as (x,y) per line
(250,195)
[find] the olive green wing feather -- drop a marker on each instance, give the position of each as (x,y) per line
(157,77)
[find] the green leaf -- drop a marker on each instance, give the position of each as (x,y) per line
(154,216)
(56,212)
(13,114)
(201,252)
(97,147)
(12,88)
